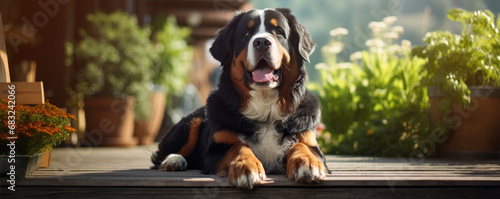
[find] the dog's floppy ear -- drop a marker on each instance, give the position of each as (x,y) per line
(300,38)
(223,47)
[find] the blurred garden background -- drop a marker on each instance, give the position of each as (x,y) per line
(417,18)
(372,85)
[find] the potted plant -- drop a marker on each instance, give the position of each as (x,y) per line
(115,57)
(169,76)
(463,78)
(36,129)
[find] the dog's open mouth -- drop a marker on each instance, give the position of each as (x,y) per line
(264,74)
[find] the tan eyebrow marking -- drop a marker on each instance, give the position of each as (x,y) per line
(274,22)
(250,24)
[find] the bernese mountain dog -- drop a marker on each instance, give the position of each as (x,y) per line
(261,119)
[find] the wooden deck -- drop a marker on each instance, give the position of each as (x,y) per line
(124,173)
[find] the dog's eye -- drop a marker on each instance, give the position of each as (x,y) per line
(279,31)
(246,34)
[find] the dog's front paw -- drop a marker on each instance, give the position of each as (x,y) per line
(305,169)
(174,162)
(245,172)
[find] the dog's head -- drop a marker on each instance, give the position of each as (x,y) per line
(263,50)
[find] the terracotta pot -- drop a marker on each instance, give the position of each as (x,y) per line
(110,121)
(476,133)
(146,131)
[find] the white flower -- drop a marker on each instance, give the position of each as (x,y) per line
(370,42)
(335,48)
(338,31)
(321,66)
(398,29)
(390,20)
(344,65)
(375,43)
(391,35)
(406,43)
(393,49)
(356,56)
(377,26)
(405,46)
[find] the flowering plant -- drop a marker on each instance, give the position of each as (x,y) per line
(374,104)
(37,128)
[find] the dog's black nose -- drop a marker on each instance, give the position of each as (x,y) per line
(261,44)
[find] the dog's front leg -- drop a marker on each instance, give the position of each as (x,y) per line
(239,163)
(243,169)
(304,164)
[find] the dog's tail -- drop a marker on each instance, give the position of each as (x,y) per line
(182,138)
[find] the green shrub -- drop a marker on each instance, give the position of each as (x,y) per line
(455,62)
(373,105)
(115,57)
(175,56)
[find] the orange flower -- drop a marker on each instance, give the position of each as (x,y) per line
(71,116)
(37,127)
(69,128)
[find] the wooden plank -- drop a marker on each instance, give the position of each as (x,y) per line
(153,178)
(25,92)
(4,62)
(138,158)
(93,170)
(263,192)
(129,167)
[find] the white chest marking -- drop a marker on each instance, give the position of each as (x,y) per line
(263,106)
(269,149)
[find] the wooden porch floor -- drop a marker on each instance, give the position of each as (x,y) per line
(125,173)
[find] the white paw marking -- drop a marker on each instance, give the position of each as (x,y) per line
(308,175)
(174,162)
(247,181)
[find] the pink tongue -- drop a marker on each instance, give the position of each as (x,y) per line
(264,74)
